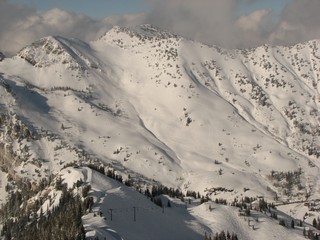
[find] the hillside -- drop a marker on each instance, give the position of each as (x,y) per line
(160,109)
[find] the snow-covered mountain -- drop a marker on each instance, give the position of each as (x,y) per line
(161,109)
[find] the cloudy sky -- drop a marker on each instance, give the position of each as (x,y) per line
(228,23)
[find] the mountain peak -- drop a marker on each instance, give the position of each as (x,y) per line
(141,32)
(153,31)
(45,52)
(53,50)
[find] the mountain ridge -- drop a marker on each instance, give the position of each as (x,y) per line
(161,109)
(257,94)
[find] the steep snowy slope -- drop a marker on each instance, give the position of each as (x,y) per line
(128,222)
(191,83)
(165,110)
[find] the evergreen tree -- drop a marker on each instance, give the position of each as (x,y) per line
(205,236)
(234,237)
(61,222)
(228,235)
(292,223)
(282,222)
(314,223)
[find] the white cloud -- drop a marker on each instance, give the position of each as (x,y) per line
(217,22)
(299,22)
(213,21)
(210,21)
(254,29)
(21,25)
(253,21)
